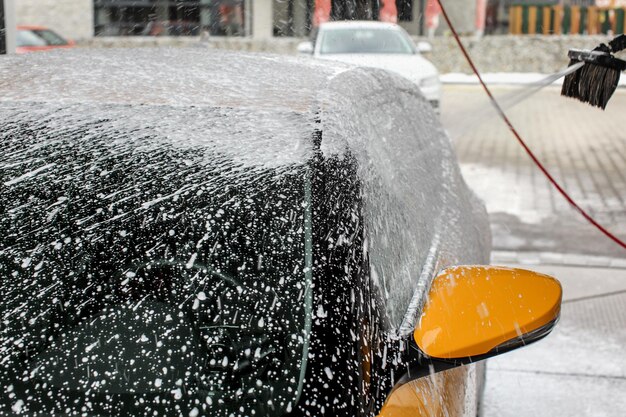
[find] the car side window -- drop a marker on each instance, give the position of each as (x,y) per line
(401,151)
(404,201)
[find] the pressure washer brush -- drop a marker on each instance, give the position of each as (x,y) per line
(595,81)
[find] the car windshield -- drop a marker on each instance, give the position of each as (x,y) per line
(142,277)
(50,37)
(29,38)
(364,41)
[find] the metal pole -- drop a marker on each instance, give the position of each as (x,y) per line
(247,10)
(3,35)
(7,27)
(421,14)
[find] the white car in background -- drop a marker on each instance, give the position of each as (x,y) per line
(379,45)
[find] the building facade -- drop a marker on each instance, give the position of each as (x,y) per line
(72,18)
(84,19)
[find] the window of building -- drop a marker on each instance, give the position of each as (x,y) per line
(169,17)
(405,10)
(292,17)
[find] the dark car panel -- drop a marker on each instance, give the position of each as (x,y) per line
(235,248)
(99,221)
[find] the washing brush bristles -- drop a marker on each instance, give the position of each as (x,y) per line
(595,81)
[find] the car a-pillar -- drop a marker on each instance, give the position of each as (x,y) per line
(334,375)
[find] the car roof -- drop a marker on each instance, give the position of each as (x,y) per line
(32,27)
(166,76)
(260,109)
(359,24)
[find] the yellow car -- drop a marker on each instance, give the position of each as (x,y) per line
(192,232)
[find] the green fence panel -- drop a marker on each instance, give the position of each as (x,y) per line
(539,21)
(606,21)
(567,20)
(583,20)
(525,19)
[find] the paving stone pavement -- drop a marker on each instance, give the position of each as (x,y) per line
(583,147)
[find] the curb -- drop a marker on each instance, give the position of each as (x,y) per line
(553,258)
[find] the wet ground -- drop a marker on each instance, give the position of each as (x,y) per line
(578,370)
(583,147)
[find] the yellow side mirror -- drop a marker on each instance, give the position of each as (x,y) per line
(479,311)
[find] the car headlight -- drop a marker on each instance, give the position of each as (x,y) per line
(429,81)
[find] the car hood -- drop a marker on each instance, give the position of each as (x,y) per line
(413,67)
